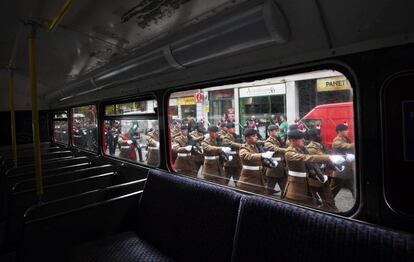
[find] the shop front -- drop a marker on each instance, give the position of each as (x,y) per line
(221,107)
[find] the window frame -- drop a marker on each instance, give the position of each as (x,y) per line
(71,129)
(336,65)
(147,116)
(53,119)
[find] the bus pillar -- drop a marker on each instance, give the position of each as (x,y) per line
(12,117)
(35,113)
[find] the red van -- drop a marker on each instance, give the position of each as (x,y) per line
(327,116)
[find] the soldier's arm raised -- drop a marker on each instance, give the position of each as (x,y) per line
(272,147)
(339,144)
(246,155)
(295,156)
(209,148)
(232,144)
(179,146)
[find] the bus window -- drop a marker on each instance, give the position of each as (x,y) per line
(289,137)
(60,128)
(84,128)
(131,132)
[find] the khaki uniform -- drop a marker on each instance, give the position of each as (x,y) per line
(184,163)
(232,168)
(342,145)
(212,168)
(315,186)
(174,133)
(278,173)
(252,169)
(197,157)
(222,133)
(153,149)
(297,189)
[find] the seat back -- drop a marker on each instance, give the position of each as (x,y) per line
(269,230)
(186,219)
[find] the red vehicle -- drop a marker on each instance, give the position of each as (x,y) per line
(327,116)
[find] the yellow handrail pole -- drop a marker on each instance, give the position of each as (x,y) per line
(59,16)
(12,118)
(35,113)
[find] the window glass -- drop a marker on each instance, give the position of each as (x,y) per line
(84,127)
(289,137)
(131,108)
(130,136)
(60,131)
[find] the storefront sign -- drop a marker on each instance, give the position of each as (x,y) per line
(229,93)
(333,84)
(266,90)
(198,97)
(187,101)
(207,108)
(173,102)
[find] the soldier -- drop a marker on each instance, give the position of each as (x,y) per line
(175,130)
(153,145)
(316,187)
(223,130)
(198,136)
(252,169)
(133,134)
(343,146)
(297,188)
(126,147)
(112,137)
(276,174)
(212,168)
(184,164)
(232,168)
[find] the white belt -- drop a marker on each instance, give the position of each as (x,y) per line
(125,147)
(276,158)
(233,152)
(297,174)
(256,168)
(183,154)
(152,147)
(211,157)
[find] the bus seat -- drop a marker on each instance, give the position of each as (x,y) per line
(270,230)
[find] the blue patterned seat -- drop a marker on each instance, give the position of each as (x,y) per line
(179,219)
(269,231)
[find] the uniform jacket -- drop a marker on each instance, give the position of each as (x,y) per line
(212,169)
(183,163)
(153,151)
(315,148)
(272,144)
(230,140)
(251,180)
(342,145)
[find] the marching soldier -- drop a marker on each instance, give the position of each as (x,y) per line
(252,168)
(232,168)
(153,145)
(276,174)
(212,169)
(184,164)
(198,136)
(176,129)
(297,188)
(343,146)
(315,147)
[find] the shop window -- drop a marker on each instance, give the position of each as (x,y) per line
(130,132)
(60,128)
(303,145)
(85,128)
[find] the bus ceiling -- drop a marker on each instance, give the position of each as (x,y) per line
(99,46)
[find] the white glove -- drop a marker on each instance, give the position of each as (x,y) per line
(157,144)
(350,157)
(230,158)
(337,160)
(226,149)
(188,148)
(129,142)
(268,154)
(206,136)
(275,162)
(325,178)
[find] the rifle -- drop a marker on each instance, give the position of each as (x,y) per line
(196,146)
(266,162)
(315,168)
(225,157)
